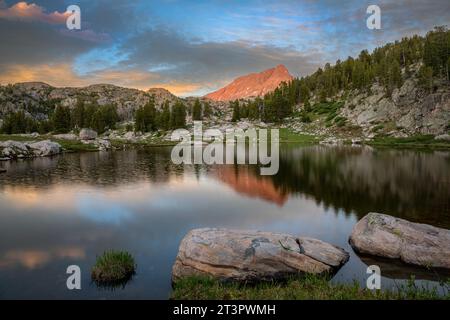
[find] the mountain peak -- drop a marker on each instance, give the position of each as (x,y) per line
(253,84)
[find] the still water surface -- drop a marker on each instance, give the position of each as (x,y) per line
(68,209)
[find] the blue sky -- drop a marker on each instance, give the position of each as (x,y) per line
(194,47)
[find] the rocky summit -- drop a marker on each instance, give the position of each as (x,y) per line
(252,85)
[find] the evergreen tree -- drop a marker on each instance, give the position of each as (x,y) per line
(61,120)
(197,110)
(207,112)
(78,115)
(426,78)
(164,122)
(146,117)
(178,116)
(18,122)
(236,112)
(105,117)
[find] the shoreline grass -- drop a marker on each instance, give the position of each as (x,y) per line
(288,136)
(412,142)
(305,288)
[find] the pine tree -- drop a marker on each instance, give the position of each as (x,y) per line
(61,119)
(178,116)
(426,78)
(146,117)
(207,112)
(165,116)
(197,110)
(236,112)
(105,117)
(17,122)
(78,115)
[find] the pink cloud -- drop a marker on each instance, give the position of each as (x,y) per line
(32,12)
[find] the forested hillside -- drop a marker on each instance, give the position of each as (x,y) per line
(411,72)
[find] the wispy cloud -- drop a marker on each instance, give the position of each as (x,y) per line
(32,12)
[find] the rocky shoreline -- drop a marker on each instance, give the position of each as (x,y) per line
(249,256)
(35,145)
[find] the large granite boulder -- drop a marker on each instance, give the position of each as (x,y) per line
(45,148)
(14,149)
(17,150)
(244,255)
(88,134)
(414,243)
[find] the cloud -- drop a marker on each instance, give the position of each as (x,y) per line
(32,12)
(62,75)
(210,62)
(38,43)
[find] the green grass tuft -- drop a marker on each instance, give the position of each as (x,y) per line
(113,266)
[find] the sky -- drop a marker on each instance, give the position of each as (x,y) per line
(194,47)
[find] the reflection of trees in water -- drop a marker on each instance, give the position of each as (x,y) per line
(95,168)
(413,185)
(409,184)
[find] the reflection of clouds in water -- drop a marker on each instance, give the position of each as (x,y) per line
(33,258)
(99,210)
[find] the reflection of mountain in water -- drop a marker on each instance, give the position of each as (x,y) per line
(409,184)
(244,181)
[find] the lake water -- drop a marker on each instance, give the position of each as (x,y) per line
(64,210)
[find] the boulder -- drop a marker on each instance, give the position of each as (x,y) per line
(251,256)
(14,149)
(443,137)
(414,243)
(103,144)
(88,134)
(66,136)
(45,148)
(130,136)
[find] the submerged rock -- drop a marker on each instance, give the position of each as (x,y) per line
(245,255)
(414,243)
